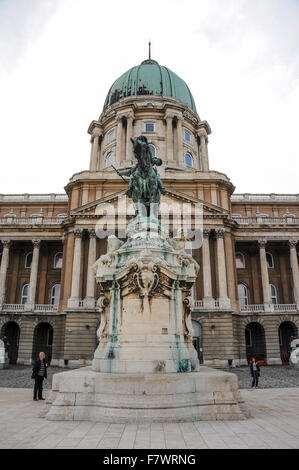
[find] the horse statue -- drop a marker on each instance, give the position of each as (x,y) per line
(145,186)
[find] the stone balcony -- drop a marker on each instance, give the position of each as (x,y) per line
(247,309)
(264,221)
(37,308)
(33,221)
(269,308)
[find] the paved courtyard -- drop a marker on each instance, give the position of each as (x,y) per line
(274,425)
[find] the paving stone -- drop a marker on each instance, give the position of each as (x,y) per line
(274,424)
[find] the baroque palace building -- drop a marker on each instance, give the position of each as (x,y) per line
(246,299)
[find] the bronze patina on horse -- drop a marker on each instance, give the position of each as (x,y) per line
(145,186)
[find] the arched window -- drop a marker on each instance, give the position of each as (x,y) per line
(243,294)
(58,260)
(273,294)
(240,261)
(188,159)
(270,260)
(110,159)
(55,294)
(24,293)
(152,149)
(28,260)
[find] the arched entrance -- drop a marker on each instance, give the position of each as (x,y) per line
(286,332)
(255,342)
(42,341)
(197,340)
(11,331)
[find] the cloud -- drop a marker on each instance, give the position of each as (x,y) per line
(239,58)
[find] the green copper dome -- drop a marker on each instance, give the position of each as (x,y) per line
(150,78)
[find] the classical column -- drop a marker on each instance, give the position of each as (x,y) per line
(206,268)
(89,301)
(169,137)
(129,148)
(73,301)
(94,150)
(3,269)
(204,151)
(295,270)
(221,265)
(33,275)
(119,133)
(265,276)
(180,155)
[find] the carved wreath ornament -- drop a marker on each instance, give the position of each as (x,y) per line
(146,277)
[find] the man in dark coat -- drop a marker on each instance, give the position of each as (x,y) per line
(39,373)
(255,373)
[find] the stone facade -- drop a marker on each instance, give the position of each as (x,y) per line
(249,242)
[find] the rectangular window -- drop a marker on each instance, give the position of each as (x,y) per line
(149,127)
(111,136)
(187,136)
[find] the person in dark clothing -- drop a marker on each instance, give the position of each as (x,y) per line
(39,373)
(255,373)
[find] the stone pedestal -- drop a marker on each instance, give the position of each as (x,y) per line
(83,394)
(145,368)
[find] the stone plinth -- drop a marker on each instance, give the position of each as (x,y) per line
(145,368)
(85,395)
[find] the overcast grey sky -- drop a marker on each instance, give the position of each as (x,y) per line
(240,59)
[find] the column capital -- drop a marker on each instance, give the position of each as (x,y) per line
(202,133)
(262,243)
(78,233)
(169,115)
(206,232)
(129,115)
(92,233)
(220,232)
(5,242)
(36,243)
(293,243)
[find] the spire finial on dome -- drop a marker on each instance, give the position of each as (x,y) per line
(149,50)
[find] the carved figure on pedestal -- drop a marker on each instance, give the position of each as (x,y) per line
(102,331)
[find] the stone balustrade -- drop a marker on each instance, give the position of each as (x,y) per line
(279,308)
(31,220)
(33,197)
(267,220)
(264,197)
(23,308)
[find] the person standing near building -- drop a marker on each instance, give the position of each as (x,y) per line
(39,373)
(255,373)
